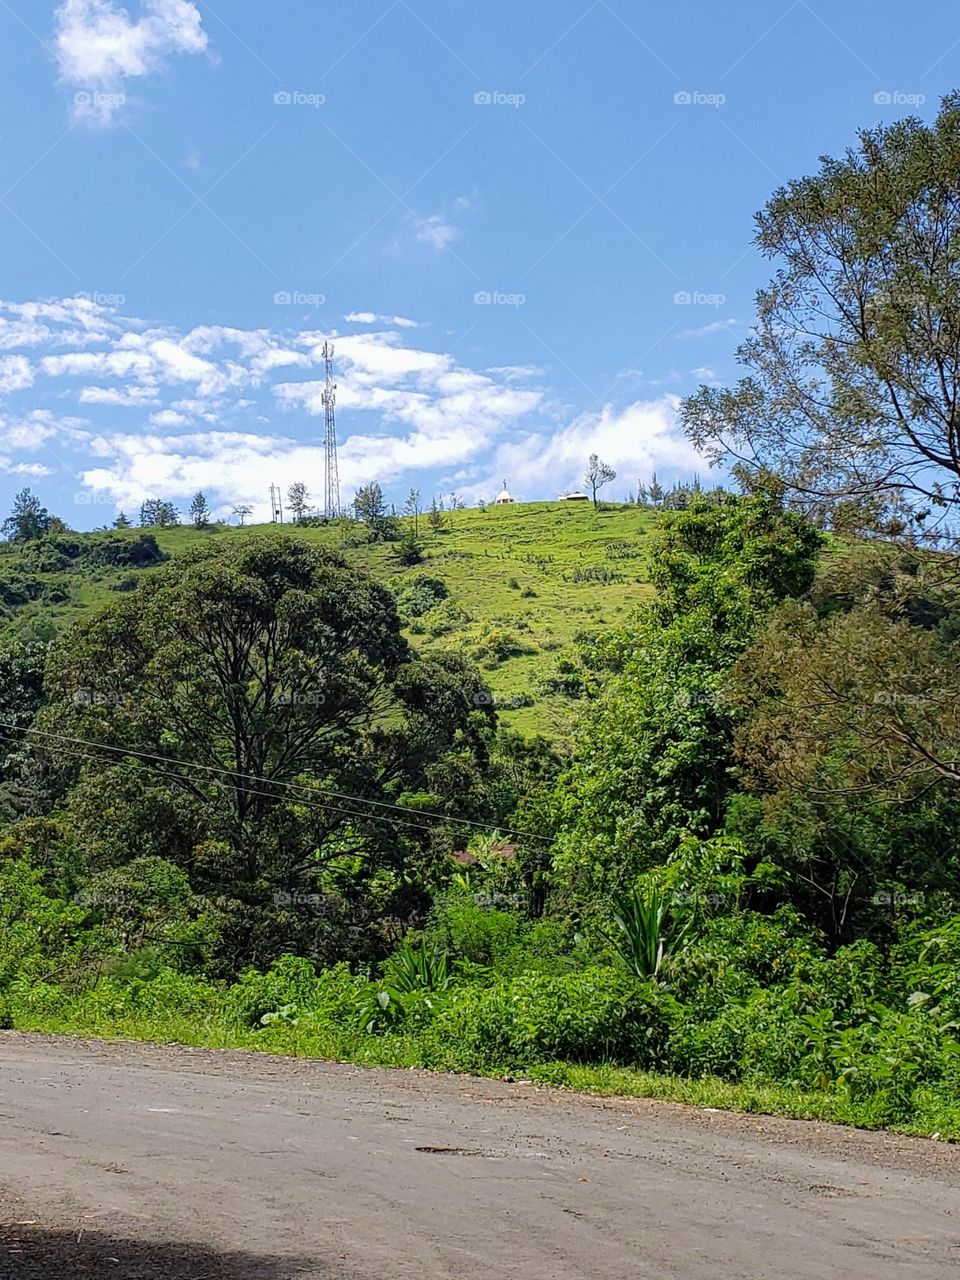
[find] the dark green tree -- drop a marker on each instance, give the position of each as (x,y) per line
(654,754)
(265,668)
(28,520)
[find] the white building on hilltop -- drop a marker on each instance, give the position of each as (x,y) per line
(504,498)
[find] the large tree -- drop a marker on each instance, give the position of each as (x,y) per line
(853,391)
(262,671)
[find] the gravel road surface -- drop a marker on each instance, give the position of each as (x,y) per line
(136,1161)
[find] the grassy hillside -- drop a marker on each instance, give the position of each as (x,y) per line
(522,583)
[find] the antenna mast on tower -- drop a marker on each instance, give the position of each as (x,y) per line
(331,477)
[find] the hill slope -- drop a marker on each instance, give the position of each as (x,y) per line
(521,583)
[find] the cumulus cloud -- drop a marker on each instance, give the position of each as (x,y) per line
(100,47)
(636,440)
(231,410)
(16,374)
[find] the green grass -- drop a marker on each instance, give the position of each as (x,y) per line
(539,546)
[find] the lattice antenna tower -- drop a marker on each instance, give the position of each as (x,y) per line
(276,504)
(331,475)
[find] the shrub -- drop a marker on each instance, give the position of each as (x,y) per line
(418,595)
(596,1015)
(293,984)
(289,980)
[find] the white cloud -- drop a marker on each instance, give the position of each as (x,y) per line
(371,317)
(16,374)
(641,438)
(100,47)
(715,326)
(231,410)
(438,230)
(11,468)
(124,398)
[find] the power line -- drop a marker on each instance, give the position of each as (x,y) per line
(275,782)
(269,795)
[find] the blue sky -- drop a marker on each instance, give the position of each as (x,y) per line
(526,226)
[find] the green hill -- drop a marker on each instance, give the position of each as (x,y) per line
(522,583)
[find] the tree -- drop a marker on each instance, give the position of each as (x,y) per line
(849,749)
(121,522)
(435,515)
(412,507)
(199,511)
(655,491)
(371,510)
(598,473)
(410,551)
(158,514)
(368,505)
(264,668)
(852,396)
(242,510)
(298,500)
(654,756)
(28,520)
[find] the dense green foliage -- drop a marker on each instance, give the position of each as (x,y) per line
(696,890)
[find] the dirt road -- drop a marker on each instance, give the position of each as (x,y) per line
(140,1161)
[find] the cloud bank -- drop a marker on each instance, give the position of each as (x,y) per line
(118,409)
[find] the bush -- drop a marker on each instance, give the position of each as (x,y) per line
(416,596)
(289,980)
(596,1015)
(478,934)
(293,985)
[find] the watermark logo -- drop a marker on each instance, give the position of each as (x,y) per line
(887,698)
(84,498)
(294,298)
(96,698)
(295,898)
(93,99)
(696,298)
(301,698)
(494,98)
(296,98)
(512,703)
(103,299)
(695,98)
(495,298)
(897,98)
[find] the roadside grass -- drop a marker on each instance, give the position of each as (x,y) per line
(937,1115)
